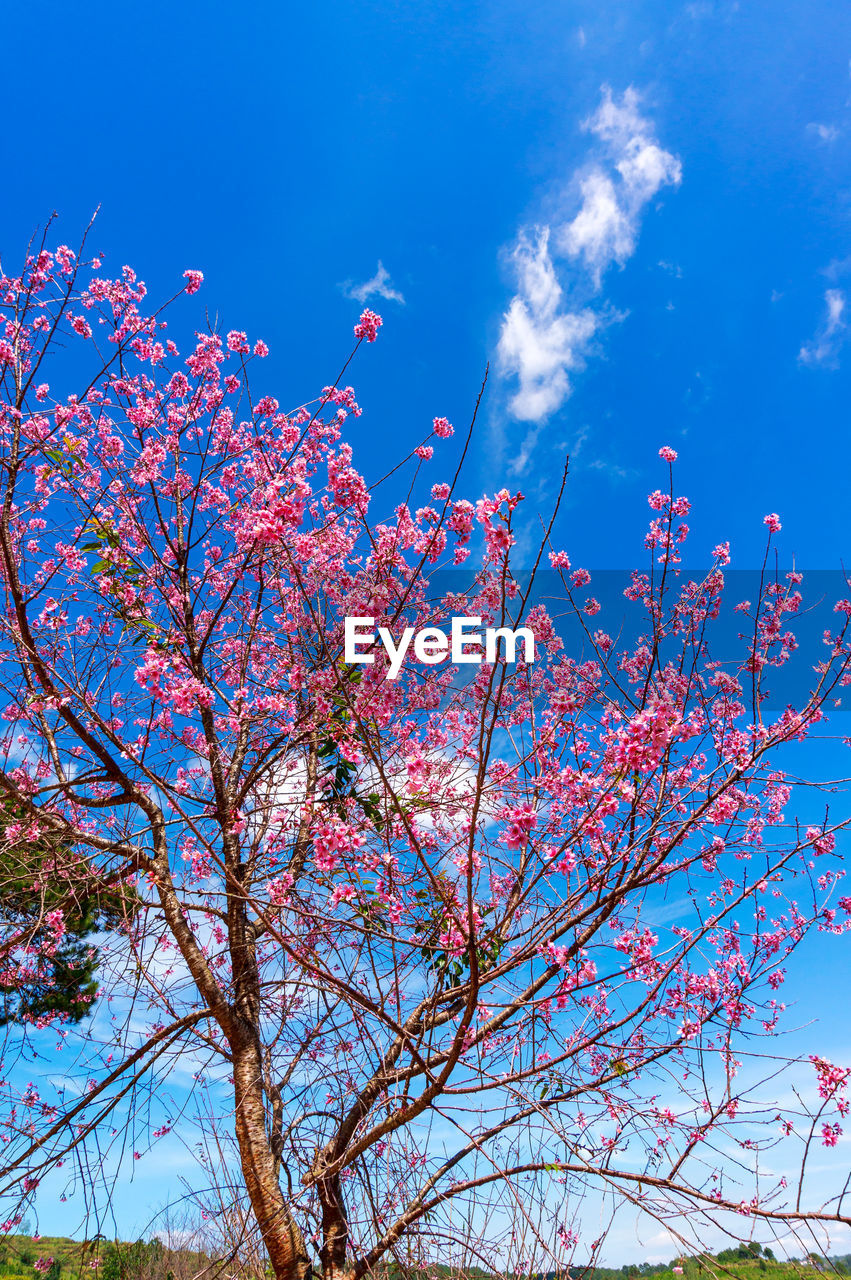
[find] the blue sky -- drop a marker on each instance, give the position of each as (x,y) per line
(286,150)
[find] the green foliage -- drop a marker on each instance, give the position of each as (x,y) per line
(745,1261)
(116,570)
(118,1260)
(743,1253)
(133,1261)
(454,969)
(66,983)
(341,787)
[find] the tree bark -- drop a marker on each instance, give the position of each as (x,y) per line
(280,1231)
(335,1230)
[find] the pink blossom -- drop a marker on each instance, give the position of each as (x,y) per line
(194,280)
(156,665)
(460,520)
(521,821)
(443,428)
(368,325)
(667,453)
(341,893)
(81,326)
(822,842)
(830,1134)
(66,258)
(773,522)
(266,406)
(238,341)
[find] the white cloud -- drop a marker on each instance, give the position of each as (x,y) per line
(545,334)
(824,132)
(830,334)
(837,268)
(380,284)
(633,169)
(672,268)
(611,469)
(601,231)
(540,342)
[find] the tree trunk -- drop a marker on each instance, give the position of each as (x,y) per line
(280,1231)
(335,1230)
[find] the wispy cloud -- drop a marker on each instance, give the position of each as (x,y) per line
(612,469)
(380,285)
(672,268)
(824,132)
(830,335)
(632,170)
(540,340)
(548,329)
(837,268)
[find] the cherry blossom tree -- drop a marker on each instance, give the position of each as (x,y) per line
(402,931)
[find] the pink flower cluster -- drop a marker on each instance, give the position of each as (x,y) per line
(522,820)
(368,325)
(830,1134)
(340,893)
(832,1082)
(641,744)
(331,841)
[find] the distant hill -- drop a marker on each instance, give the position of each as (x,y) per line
(59,1258)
